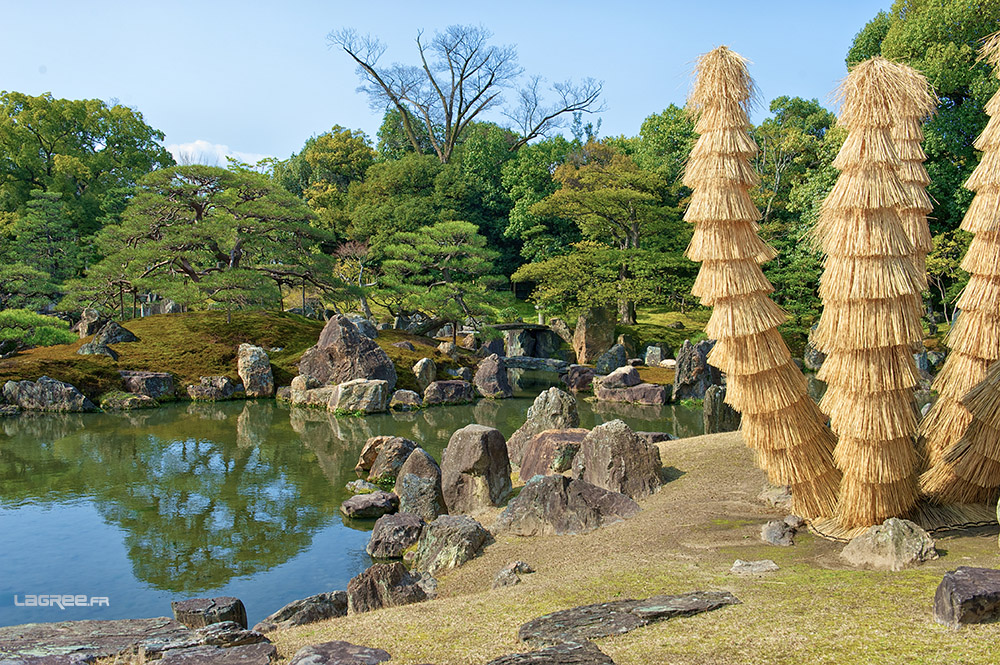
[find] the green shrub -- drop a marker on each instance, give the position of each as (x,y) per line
(22,328)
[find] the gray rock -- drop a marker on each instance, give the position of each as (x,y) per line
(370,506)
(222,634)
(623,377)
(537,364)
(392,454)
(393,534)
(560,506)
(364,326)
(578,377)
(119,401)
(893,545)
(812,358)
(360,486)
(777,496)
(551,452)
(213,389)
(462,373)
(594,334)
(361,396)
(449,349)
(448,542)
(561,329)
(491,378)
(85,640)
(475,470)
(405,345)
(201,612)
(548,345)
(741,567)
(369,453)
(151,384)
(553,409)
(9,410)
(617,617)
(653,356)
(519,343)
(90,322)
(936,361)
(113,333)
(655,437)
(565,653)
(339,653)
(248,654)
(645,393)
(777,532)
(611,360)
(510,574)
(716,414)
(448,392)
(612,456)
(693,375)
(94,349)
(46,395)
(425,371)
(343,354)
(418,486)
(405,400)
(968,595)
(306,610)
(382,585)
(254,368)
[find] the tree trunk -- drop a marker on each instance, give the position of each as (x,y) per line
(365,308)
(626,312)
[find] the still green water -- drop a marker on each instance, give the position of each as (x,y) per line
(233,498)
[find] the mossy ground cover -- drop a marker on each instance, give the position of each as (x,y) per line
(670,327)
(813,610)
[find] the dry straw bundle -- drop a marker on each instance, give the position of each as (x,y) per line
(955,475)
(871,305)
(780,422)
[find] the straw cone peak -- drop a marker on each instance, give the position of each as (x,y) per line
(989,52)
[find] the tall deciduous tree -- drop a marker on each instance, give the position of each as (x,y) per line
(460,76)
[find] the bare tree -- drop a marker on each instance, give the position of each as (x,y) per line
(460,76)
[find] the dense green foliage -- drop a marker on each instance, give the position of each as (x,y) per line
(22,328)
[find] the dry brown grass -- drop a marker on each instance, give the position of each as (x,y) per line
(811,611)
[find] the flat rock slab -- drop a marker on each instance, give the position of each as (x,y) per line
(250,654)
(967,595)
(84,638)
(339,653)
(567,653)
(617,617)
(201,612)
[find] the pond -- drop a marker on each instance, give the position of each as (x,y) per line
(195,499)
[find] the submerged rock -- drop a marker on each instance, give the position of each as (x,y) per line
(370,506)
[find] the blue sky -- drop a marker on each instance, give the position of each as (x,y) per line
(257,78)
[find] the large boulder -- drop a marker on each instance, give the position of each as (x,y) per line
(93,349)
(425,372)
(339,653)
(716,414)
(361,396)
(405,400)
(648,394)
(201,612)
(519,342)
(559,505)
(552,409)
(151,384)
(114,333)
(561,330)
(370,506)
(968,595)
(254,368)
(46,395)
(344,354)
(392,455)
(213,389)
(306,610)
(693,375)
(594,334)
(551,452)
(383,585)
(622,377)
(418,486)
(578,377)
(612,456)
(393,534)
(453,391)
(491,378)
(475,471)
(90,322)
(364,326)
(893,545)
(448,542)
(611,360)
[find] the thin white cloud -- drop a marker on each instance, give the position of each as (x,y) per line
(211,154)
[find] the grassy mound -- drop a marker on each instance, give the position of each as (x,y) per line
(196,344)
